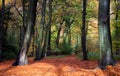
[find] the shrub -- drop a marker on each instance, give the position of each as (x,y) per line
(91,55)
(10,47)
(66,49)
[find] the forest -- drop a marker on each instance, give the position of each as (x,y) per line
(59,38)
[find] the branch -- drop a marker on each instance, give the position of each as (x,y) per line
(107,17)
(18,11)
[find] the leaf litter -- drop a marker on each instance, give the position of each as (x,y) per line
(67,66)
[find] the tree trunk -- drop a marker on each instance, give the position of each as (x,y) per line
(83,31)
(65,36)
(2,28)
(69,31)
(47,32)
(45,46)
(23,27)
(69,36)
(22,56)
(41,33)
(49,24)
(49,40)
(106,57)
(58,34)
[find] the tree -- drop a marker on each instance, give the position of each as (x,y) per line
(22,55)
(41,38)
(67,32)
(49,24)
(2,27)
(115,32)
(24,18)
(58,33)
(47,32)
(105,45)
(83,31)
(23,15)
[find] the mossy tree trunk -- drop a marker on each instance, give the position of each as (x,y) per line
(105,45)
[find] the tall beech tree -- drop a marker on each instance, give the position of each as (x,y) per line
(49,24)
(22,55)
(47,31)
(105,45)
(23,15)
(58,33)
(41,38)
(83,31)
(24,18)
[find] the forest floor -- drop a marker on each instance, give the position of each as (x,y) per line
(67,66)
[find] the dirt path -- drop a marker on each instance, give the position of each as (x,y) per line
(68,66)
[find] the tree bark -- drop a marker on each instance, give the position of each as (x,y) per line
(22,56)
(69,31)
(58,34)
(83,31)
(105,45)
(23,27)
(47,32)
(39,50)
(49,24)
(2,28)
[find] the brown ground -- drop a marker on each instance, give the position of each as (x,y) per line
(68,66)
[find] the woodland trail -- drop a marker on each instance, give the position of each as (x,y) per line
(67,66)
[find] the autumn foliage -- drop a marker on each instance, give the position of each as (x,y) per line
(68,66)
